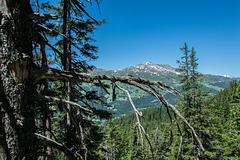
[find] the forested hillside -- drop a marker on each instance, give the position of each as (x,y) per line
(222,127)
(215,118)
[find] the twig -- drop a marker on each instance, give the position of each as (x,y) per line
(52,143)
(130,99)
(53,48)
(103,87)
(37,6)
(181,139)
(79,7)
(37,15)
(62,101)
(46,28)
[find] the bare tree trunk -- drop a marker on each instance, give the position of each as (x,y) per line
(3,146)
(17,111)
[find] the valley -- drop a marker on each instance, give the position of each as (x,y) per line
(157,72)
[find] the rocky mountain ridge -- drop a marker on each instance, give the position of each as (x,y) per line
(153,69)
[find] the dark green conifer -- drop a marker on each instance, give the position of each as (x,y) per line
(231,134)
(194,102)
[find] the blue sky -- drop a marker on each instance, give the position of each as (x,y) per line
(154,30)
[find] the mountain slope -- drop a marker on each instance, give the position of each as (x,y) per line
(158,72)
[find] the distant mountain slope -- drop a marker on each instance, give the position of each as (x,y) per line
(160,72)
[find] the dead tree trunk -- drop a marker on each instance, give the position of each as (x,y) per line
(17,109)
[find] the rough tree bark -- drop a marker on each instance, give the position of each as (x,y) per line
(17,109)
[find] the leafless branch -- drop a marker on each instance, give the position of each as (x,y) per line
(51,73)
(49,142)
(46,28)
(53,48)
(103,87)
(141,129)
(79,7)
(62,101)
(37,15)
(180,147)
(181,139)
(79,131)
(37,5)
(131,101)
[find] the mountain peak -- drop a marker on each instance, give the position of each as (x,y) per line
(152,68)
(147,63)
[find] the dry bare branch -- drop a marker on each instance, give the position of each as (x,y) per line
(130,99)
(53,48)
(49,142)
(51,73)
(37,5)
(37,15)
(140,127)
(79,7)
(62,101)
(103,87)
(46,28)
(79,131)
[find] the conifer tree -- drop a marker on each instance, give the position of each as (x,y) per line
(224,141)
(74,49)
(231,135)
(193,101)
(113,141)
(134,146)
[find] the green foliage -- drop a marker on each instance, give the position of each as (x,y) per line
(231,135)
(156,123)
(113,141)
(222,101)
(196,109)
(220,137)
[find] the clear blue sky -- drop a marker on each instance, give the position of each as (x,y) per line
(154,30)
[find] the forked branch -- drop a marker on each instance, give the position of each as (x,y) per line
(140,127)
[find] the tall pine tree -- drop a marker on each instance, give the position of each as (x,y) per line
(194,102)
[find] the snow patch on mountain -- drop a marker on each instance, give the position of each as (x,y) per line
(229,76)
(153,68)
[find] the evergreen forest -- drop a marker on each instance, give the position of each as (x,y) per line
(215,118)
(52,107)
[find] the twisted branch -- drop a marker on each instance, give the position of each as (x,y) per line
(140,127)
